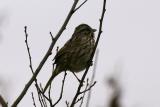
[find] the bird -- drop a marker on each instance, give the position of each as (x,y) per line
(75,54)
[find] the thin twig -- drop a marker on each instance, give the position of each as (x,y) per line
(28,49)
(51,36)
(92,55)
(61,90)
(84,93)
(44,97)
(40,96)
(92,78)
(88,89)
(67,103)
(49,95)
(41,100)
(49,52)
(79,99)
(80,5)
(3,102)
(33,99)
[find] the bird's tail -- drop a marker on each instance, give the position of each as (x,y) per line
(54,74)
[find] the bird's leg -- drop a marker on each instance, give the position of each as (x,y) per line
(90,63)
(76,77)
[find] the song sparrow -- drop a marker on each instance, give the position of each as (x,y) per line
(76,52)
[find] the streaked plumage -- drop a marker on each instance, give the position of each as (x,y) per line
(75,54)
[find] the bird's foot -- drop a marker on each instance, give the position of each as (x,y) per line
(90,63)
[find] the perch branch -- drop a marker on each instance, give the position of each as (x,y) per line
(96,44)
(93,76)
(84,93)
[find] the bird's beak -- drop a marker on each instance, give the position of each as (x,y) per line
(94,30)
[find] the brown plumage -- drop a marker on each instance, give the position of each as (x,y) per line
(76,52)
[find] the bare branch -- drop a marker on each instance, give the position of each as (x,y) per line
(51,36)
(49,52)
(41,97)
(28,49)
(80,5)
(3,102)
(33,99)
(96,44)
(84,93)
(88,89)
(61,90)
(49,95)
(79,99)
(44,97)
(93,76)
(67,103)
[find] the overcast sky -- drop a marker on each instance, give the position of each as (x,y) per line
(129,47)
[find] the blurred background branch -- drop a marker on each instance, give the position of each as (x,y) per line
(116,92)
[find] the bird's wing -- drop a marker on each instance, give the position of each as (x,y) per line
(68,48)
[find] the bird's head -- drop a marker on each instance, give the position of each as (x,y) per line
(84,29)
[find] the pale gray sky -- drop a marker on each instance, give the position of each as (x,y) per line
(129,45)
